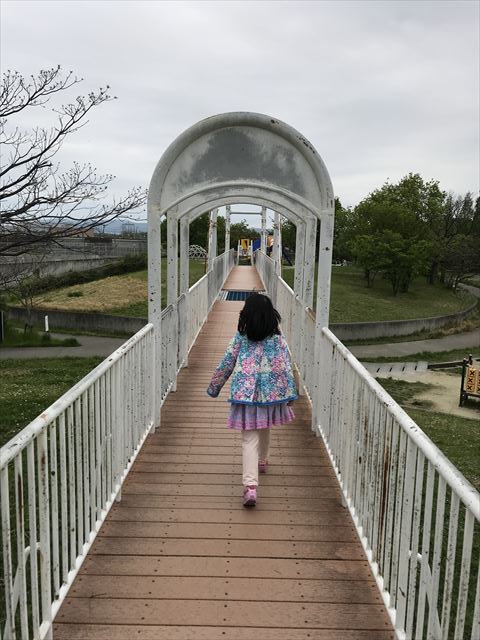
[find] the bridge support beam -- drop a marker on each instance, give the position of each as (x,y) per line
(277,244)
(324,381)
(228,211)
(263,234)
(155,311)
(309,261)
(212,238)
(184,287)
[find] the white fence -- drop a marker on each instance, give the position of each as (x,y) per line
(416,515)
(60,476)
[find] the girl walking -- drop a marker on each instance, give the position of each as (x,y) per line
(262,385)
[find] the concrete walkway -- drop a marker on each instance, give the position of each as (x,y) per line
(467,341)
(89,346)
(103,346)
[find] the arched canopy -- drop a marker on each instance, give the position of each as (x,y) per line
(234,158)
(245,156)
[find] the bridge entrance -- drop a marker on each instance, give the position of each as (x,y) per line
(114,527)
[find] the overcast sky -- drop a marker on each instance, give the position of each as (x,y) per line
(380,88)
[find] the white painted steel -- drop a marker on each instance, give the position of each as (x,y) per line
(416,515)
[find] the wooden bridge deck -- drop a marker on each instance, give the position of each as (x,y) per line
(179,558)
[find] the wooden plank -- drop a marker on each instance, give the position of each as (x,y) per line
(314,505)
(107,545)
(215,566)
(211,613)
(231,531)
(238,516)
(131,486)
(270,480)
(148,464)
(157,632)
(209,588)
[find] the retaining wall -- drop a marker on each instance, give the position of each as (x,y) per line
(344,331)
(78,321)
(386,328)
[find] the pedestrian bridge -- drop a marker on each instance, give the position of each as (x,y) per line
(121,503)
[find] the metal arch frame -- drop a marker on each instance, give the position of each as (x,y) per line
(216,191)
(305,244)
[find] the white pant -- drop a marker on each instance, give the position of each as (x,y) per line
(255,443)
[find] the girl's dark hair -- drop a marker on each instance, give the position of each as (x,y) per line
(258,319)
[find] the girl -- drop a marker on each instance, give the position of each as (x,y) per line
(262,385)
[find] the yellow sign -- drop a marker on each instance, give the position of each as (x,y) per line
(245,244)
(472,380)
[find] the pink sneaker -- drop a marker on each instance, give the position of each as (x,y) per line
(250,496)
(263,466)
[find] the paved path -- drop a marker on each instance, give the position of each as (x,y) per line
(102,346)
(179,557)
(465,341)
(90,346)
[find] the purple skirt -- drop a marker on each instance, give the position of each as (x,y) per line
(247,416)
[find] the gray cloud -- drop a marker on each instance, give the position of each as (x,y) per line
(380,88)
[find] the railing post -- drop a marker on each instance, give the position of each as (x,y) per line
(184,287)
(155,308)
(263,235)
(277,244)
(212,238)
(309,261)
(228,211)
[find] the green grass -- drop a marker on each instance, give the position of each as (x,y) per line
(30,386)
(352,301)
(456,355)
(457,437)
(88,299)
(15,337)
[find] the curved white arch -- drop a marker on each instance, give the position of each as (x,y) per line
(238,157)
(240,147)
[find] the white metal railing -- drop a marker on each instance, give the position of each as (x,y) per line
(417,517)
(203,294)
(60,476)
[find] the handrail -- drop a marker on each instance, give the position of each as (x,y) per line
(449,472)
(416,515)
(62,473)
(16,444)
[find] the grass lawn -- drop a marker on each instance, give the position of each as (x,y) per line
(34,338)
(457,437)
(124,295)
(352,301)
(30,386)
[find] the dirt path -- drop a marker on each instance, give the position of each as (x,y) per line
(445,394)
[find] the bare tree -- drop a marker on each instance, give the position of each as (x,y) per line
(19,277)
(39,202)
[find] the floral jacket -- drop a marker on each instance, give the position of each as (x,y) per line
(262,372)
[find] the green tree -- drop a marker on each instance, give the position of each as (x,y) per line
(399,217)
(239,230)
(461,259)
(343,232)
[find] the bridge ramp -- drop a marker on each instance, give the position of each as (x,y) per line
(179,557)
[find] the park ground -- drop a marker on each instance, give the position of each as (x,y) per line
(351,299)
